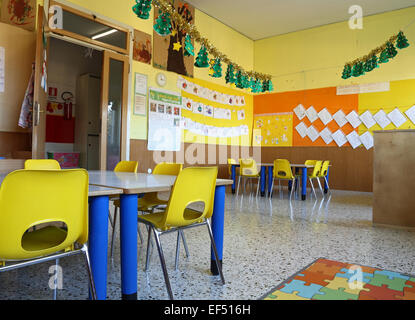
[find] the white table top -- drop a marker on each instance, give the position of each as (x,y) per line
(94,191)
(134,183)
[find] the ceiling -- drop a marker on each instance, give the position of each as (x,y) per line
(261,19)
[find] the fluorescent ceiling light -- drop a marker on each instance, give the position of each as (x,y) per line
(104,34)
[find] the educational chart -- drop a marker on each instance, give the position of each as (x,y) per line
(273,130)
(164,129)
(214,114)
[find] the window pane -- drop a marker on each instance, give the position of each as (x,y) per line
(94,30)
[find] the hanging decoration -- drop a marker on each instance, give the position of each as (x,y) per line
(230,74)
(216,68)
(370,62)
(163,24)
(142,9)
(202,60)
(189,50)
(163,27)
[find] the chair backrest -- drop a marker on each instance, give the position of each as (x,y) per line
(248,167)
(316,169)
(282,169)
(310,162)
(29,198)
(193,185)
(230,163)
(324,169)
(42,164)
(168,169)
(126,166)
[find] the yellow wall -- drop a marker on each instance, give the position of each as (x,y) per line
(314,58)
(236,46)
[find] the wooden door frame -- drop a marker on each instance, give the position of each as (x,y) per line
(107,56)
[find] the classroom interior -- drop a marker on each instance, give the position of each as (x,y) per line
(315,160)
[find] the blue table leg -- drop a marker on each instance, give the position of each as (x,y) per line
(129,251)
(233,177)
(218,224)
(270,178)
(263,180)
(304,184)
(326,189)
(98,243)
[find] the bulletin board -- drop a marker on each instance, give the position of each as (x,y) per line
(215,114)
(19,48)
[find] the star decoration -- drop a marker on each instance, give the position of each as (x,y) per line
(177,46)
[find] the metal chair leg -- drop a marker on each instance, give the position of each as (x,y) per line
(148,250)
(163,264)
(272,189)
(239,183)
(113,231)
(91,278)
(55,289)
(312,187)
(176,266)
(292,188)
(184,243)
(327,184)
(321,189)
(215,251)
(257,188)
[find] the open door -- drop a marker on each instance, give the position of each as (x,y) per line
(40,92)
(114,110)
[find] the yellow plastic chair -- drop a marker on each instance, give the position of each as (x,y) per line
(151,201)
(323,173)
(282,171)
(126,166)
(42,164)
(248,171)
(31,198)
(314,174)
(192,186)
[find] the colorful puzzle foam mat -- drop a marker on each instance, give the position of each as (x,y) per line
(332,280)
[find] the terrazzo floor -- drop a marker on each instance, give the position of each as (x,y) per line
(265,243)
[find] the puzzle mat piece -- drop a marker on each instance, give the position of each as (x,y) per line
(344,285)
(366,277)
(314,277)
(410,286)
(330,294)
(301,289)
(397,284)
(392,275)
(278,295)
(406,296)
(328,268)
(380,293)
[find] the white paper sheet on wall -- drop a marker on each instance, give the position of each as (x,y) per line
(367,140)
(326,135)
(410,113)
(397,118)
(312,114)
(300,112)
(302,130)
(367,119)
(312,133)
(2,68)
(382,119)
(354,139)
(340,118)
(354,119)
(339,138)
(325,116)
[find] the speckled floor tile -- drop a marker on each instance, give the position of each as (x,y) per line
(265,243)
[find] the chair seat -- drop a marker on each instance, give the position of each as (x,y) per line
(144,204)
(156,219)
(43,239)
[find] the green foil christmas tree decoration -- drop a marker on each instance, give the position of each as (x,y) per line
(142,9)
(216,68)
(391,50)
(230,74)
(189,50)
(256,85)
(239,80)
(358,70)
(267,86)
(401,41)
(384,58)
(202,60)
(163,24)
(347,71)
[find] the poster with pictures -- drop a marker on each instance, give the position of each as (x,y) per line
(164,119)
(142,49)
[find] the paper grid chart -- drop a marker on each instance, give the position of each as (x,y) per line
(354,139)
(325,116)
(382,119)
(367,140)
(340,118)
(410,113)
(367,119)
(354,119)
(339,138)
(312,114)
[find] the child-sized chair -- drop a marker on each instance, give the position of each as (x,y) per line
(248,171)
(282,171)
(323,173)
(313,175)
(42,164)
(30,198)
